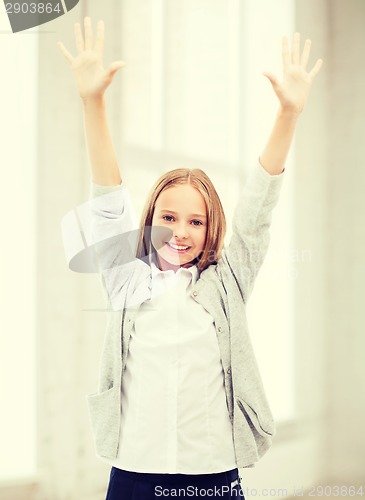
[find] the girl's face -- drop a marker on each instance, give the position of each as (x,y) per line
(181,209)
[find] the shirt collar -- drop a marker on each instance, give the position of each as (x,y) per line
(193,270)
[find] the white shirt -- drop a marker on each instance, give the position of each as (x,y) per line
(174,412)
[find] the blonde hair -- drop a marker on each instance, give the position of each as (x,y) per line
(216,221)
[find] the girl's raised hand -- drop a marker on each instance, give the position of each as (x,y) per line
(293,91)
(91,77)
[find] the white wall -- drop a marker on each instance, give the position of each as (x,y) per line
(330,215)
(346,242)
(18,208)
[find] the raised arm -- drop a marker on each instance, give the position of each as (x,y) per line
(292,93)
(92,81)
(250,239)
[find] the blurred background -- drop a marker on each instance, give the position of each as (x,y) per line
(192,94)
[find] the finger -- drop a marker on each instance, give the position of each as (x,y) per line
(305,54)
(99,43)
(89,39)
(79,39)
(66,54)
(285,52)
(295,48)
(316,68)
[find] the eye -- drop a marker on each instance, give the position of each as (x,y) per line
(199,223)
(168,220)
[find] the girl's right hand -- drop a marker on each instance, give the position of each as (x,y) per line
(91,77)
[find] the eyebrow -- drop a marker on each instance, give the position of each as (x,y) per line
(191,215)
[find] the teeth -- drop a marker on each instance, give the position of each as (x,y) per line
(177,247)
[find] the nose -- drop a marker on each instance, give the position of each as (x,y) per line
(181,231)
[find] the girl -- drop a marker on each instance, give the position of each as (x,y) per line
(180,405)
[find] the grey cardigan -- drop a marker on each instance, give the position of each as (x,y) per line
(223,290)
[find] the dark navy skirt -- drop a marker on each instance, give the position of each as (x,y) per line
(128,485)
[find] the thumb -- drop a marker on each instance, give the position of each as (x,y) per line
(114,67)
(272,78)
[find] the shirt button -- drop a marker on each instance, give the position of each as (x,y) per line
(229,371)
(219,329)
(195,294)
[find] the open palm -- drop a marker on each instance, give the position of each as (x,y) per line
(294,89)
(91,77)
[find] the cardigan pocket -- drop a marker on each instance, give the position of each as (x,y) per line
(104,412)
(263,427)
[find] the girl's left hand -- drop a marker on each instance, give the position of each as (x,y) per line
(293,91)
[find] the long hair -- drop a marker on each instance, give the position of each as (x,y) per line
(216,221)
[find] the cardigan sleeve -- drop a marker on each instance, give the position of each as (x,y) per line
(115,228)
(244,255)
(100,236)
(101,233)
(114,225)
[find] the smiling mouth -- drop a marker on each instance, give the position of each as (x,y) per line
(178,248)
